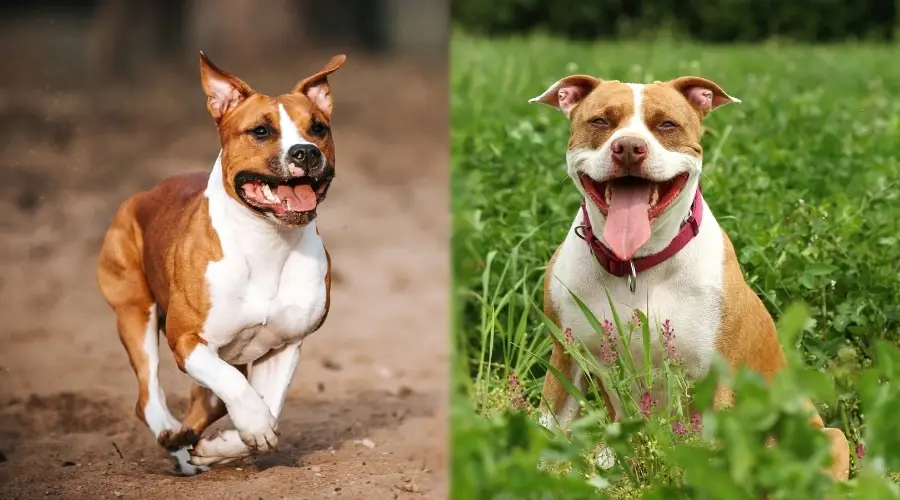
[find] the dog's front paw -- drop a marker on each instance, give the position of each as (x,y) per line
(261,442)
(605,458)
(255,424)
(223,448)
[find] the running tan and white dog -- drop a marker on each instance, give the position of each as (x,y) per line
(645,233)
(229,264)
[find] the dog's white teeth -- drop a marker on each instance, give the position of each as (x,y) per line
(607,195)
(267,192)
(654,196)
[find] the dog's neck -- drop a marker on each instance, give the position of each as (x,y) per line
(252,233)
(666,227)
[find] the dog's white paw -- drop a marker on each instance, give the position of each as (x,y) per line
(264,442)
(605,457)
(184,466)
(223,448)
(546,421)
(255,424)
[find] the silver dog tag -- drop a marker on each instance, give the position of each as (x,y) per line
(632,278)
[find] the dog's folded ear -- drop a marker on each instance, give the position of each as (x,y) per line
(316,87)
(703,94)
(565,94)
(224,91)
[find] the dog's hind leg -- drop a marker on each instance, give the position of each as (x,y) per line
(753,342)
(558,407)
(122,282)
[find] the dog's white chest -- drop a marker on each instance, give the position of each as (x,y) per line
(264,303)
(686,290)
(268,289)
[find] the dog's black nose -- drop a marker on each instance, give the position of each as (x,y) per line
(304,155)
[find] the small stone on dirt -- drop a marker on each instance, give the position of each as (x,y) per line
(316,468)
(401,392)
(331,364)
(368,443)
(409,487)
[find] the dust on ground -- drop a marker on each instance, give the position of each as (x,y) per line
(366,416)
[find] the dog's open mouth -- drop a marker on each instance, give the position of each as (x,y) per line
(271,194)
(630,191)
(631,205)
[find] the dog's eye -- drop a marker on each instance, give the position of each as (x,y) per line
(667,125)
(261,132)
(318,128)
(599,122)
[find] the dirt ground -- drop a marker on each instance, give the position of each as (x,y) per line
(367,414)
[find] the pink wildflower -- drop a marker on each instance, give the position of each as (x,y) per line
(607,343)
(668,335)
(610,331)
(696,422)
(518,398)
(570,339)
(860,450)
(636,318)
(678,428)
(647,404)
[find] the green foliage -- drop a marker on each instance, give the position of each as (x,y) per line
(702,20)
(504,454)
(803,176)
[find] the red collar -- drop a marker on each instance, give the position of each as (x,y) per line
(620,268)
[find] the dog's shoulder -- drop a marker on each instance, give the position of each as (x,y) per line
(178,237)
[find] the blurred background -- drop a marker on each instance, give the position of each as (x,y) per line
(701,20)
(101,99)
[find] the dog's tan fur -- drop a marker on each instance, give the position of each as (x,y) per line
(747,334)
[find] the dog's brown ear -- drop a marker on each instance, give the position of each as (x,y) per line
(224,91)
(316,87)
(704,95)
(565,94)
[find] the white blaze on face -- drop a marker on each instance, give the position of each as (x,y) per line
(290,135)
(637,125)
(627,226)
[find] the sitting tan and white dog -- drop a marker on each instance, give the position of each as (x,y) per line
(230,266)
(645,233)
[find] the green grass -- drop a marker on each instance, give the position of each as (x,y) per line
(804,176)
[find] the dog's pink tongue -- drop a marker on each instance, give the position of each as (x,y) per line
(627,225)
(302,198)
